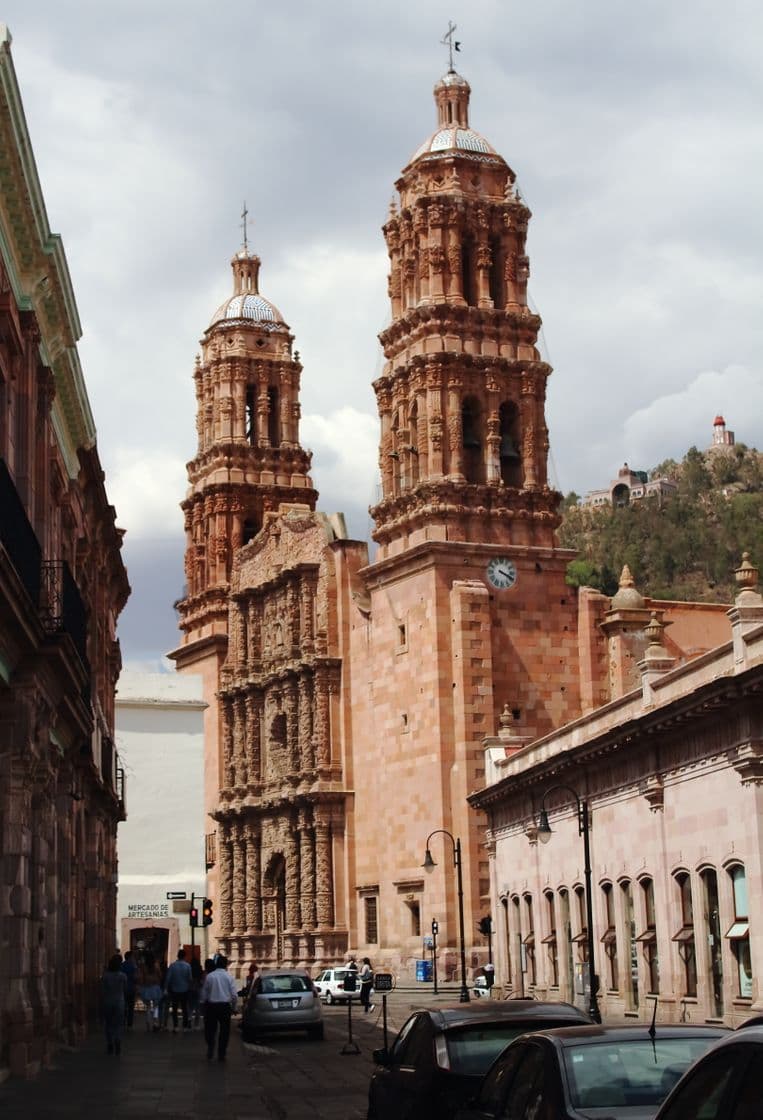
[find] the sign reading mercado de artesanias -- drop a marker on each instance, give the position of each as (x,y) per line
(148,910)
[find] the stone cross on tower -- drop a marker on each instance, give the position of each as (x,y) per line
(245,226)
(447,41)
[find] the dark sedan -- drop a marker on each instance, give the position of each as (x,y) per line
(613,1072)
(440,1055)
(725,1084)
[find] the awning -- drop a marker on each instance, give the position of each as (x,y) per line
(685,933)
(550,940)
(649,936)
(610,936)
(529,941)
(739,931)
(579,938)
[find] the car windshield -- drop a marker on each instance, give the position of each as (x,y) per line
(275,984)
(472,1049)
(634,1072)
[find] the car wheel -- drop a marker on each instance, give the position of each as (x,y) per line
(315,1034)
(329,998)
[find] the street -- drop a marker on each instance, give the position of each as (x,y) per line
(167,1075)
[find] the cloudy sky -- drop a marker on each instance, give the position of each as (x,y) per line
(634,131)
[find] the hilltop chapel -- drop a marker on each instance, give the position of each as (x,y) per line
(349,699)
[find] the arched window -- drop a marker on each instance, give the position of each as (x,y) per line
(468,277)
(629,947)
(551,940)
(413,435)
(528,941)
(249,530)
(509,448)
(507,917)
(609,938)
(565,937)
(648,937)
(713,934)
(472,437)
(251,415)
(739,934)
(274,418)
(684,937)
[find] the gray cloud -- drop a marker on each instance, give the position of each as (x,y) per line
(633,131)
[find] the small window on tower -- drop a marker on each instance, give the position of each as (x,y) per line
(251,415)
(402,636)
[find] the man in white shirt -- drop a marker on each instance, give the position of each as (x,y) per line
(218,1001)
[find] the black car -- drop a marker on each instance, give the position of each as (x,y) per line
(612,1072)
(441,1054)
(725,1084)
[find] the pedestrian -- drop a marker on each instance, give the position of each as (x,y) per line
(366,985)
(177,986)
(352,965)
(113,988)
(197,979)
(130,970)
(150,985)
(218,1000)
(251,979)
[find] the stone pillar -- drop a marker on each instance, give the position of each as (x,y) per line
(252,745)
(239,736)
(306,745)
(455,279)
(225,860)
(483,260)
(307,864)
(323,877)
(434,420)
(322,730)
(291,708)
(253,899)
(293,880)
(238,919)
(455,428)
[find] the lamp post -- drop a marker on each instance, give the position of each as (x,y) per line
(544,835)
(428,865)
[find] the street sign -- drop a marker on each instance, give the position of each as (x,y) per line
(176,894)
(181,906)
(383,982)
(428,942)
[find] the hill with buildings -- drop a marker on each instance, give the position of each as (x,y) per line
(685,546)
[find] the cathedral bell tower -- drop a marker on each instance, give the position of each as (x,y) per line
(249,458)
(464,442)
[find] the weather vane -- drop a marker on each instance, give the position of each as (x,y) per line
(447,41)
(244,226)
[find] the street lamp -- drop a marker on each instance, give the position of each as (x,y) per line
(544,835)
(428,865)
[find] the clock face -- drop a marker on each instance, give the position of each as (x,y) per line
(501,573)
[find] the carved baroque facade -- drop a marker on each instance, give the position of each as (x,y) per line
(62,586)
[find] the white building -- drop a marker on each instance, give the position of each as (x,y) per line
(159,729)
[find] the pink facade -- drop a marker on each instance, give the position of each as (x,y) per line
(672,772)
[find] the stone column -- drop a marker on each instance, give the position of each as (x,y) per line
(455,428)
(238,919)
(292,726)
(225,861)
(253,900)
(306,745)
(307,864)
(239,734)
(322,730)
(483,259)
(434,420)
(493,434)
(529,431)
(455,262)
(254,772)
(293,880)
(307,591)
(323,877)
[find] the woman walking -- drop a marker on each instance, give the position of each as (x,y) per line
(366,985)
(151,990)
(113,991)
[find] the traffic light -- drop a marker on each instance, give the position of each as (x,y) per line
(484,925)
(435,927)
(193,916)
(207,912)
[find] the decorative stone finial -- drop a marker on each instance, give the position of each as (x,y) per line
(627,596)
(654,631)
(747,581)
(393,207)
(504,723)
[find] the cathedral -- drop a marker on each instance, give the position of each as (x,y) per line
(349,697)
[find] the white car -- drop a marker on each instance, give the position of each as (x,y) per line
(329,985)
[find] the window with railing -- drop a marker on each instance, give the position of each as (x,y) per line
(528,941)
(370,903)
(709,879)
(550,940)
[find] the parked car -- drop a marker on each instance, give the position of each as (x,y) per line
(724,1084)
(441,1054)
(330,986)
(282,999)
(613,1072)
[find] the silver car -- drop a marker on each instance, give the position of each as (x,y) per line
(282,999)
